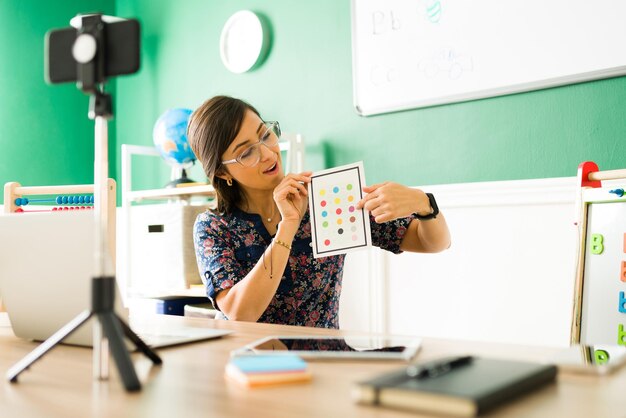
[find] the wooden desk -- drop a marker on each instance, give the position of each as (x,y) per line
(191,383)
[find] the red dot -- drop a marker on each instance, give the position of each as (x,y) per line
(352,219)
(327,242)
(323,203)
(338,211)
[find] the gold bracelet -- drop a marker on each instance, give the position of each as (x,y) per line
(284,244)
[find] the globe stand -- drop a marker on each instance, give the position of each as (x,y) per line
(178,178)
(90,79)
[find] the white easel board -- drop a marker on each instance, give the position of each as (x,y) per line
(602,296)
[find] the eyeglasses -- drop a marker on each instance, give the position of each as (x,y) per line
(252,155)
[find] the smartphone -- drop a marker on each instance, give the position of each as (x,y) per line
(591,359)
(121,51)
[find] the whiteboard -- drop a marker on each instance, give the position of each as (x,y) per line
(416,53)
(602,313)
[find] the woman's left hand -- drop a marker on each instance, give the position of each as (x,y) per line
(388,201)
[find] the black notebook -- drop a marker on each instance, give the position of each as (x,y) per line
(467,390)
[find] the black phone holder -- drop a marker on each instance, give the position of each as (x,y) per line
(89,54)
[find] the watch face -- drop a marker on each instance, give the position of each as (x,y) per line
(242,41)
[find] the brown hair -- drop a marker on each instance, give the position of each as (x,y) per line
(212,128)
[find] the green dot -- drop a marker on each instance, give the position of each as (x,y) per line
(325,224)
(349,187)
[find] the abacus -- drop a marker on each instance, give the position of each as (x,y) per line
(64,202)
(17,198)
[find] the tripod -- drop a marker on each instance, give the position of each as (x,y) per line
(90,76)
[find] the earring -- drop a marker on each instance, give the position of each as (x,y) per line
(229,181)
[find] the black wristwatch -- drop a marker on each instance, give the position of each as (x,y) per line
(433,206)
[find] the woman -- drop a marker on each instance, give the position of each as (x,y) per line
(254,252)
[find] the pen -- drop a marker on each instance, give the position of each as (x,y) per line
(437,367)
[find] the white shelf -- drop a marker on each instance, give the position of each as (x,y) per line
(178,192)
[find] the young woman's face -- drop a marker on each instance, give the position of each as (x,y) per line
(267,173)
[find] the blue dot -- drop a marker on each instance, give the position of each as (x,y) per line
(81,199)
(18,201)
(59,200)
(336,189)
(64,199)
(324,214)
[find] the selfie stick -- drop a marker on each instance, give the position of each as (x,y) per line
(87,51)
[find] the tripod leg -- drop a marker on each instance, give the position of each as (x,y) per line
(113,331)
(139,343)
(47,345)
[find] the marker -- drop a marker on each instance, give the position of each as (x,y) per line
(437,368)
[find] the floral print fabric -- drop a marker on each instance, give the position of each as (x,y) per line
(228,247)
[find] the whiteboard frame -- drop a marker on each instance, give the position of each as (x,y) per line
(588,196)
(474,95)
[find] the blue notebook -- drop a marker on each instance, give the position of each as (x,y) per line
(268,364)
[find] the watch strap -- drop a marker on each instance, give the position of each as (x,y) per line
(434,207)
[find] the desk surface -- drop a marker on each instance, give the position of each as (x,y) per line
(191,383)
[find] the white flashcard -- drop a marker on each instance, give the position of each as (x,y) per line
(337,226)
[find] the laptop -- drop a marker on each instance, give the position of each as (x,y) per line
(46,267)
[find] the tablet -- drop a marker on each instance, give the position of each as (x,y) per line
(349,347)
(596,359)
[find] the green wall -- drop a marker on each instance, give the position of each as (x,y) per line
(305,83)
(45,135)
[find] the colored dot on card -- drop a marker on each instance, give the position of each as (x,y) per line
(353,229)
(339,221)
(349,187)
(351,208)
(323,203)
(338,211)
(350,198)
(340,231)
(336,189)
(354,237)
(337,201)
(352,219)
(325,224)
(324,213)
(322,192)
(327,242)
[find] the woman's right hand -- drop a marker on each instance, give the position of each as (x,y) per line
(292,196)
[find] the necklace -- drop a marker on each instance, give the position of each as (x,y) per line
(269,219)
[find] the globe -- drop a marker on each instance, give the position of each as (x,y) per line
(170,138)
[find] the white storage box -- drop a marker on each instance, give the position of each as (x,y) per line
(161,253)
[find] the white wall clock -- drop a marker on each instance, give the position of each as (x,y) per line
(244,42)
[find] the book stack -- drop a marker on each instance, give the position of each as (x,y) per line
(463,387)
(267,370)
